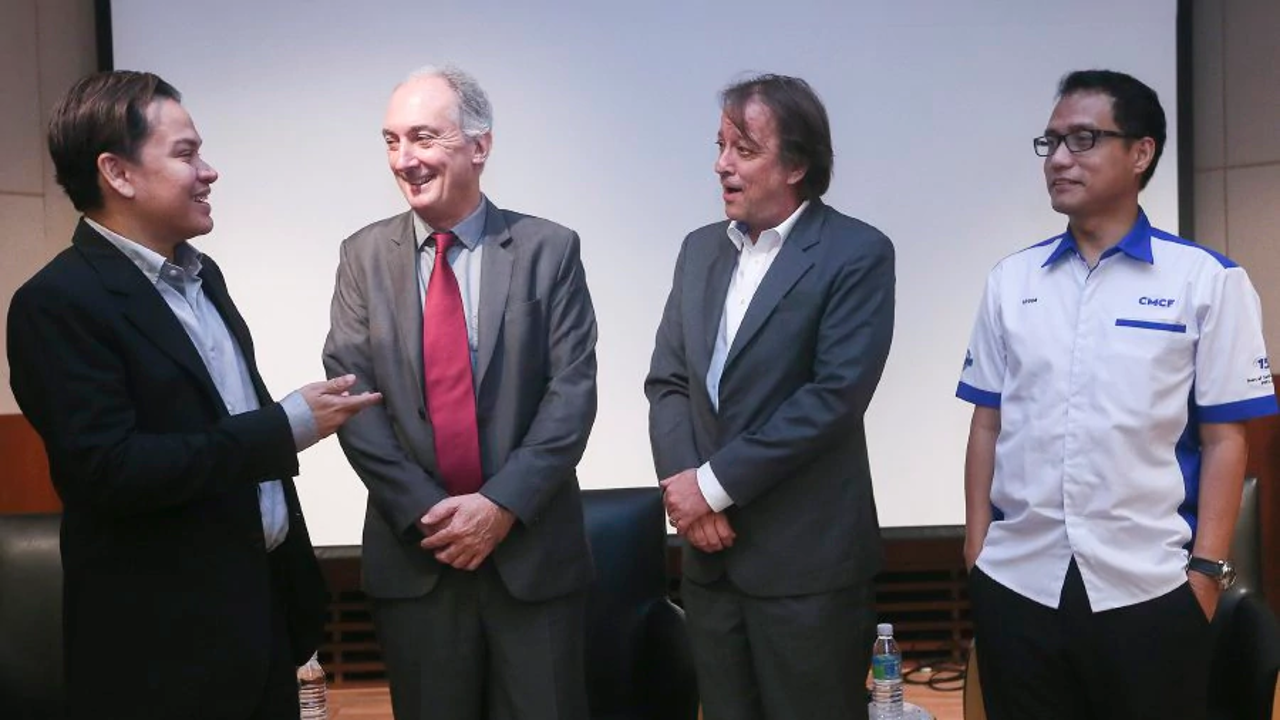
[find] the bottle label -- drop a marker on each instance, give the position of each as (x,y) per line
(886,667)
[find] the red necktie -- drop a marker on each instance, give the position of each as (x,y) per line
(446,369)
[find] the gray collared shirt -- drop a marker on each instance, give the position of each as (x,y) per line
(465,259)
(181,287)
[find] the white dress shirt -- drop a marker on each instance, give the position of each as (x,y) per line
(754,261)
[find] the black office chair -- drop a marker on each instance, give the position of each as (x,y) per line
(1246,654)
(31,683)
(639,666)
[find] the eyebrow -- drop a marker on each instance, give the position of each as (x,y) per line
(414,130)
(185,143)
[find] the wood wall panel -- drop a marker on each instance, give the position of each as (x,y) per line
(24,470)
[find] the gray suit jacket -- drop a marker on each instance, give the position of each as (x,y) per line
(788,442)
(535,400)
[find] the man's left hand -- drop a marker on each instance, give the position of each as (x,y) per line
(683,499)
(466,529)
(1207,592)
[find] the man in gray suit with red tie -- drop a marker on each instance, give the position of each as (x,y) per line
(771,345)
(474,547)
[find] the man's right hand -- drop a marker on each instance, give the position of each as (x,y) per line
(711,533)
(332,404)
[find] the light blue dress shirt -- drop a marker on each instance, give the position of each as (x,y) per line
(181,287)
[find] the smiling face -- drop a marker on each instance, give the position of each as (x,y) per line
(435,164)
(1108,175)
(163,193)
(758,189)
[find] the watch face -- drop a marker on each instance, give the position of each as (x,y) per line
(1228,577)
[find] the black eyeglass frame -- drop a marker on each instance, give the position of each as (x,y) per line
(1047,145)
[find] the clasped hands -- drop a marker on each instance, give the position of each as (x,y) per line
(462,530)
(693,518)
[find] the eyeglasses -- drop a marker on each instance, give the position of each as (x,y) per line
(1076,141)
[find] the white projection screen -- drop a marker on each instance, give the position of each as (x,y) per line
(605,117)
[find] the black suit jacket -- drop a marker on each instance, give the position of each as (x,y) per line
(787,442)
(166,575)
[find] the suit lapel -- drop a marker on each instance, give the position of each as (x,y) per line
(791,264)
(495,280)
(402,269)
(719,272)
(143,306)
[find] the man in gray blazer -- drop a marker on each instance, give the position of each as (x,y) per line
(771,345)
(474,548)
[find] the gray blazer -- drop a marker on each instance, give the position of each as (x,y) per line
(788,442)
(535,400)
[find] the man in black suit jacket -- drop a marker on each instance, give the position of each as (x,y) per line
(190,586)
(772,342)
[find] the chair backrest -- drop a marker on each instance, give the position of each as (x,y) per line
(31,681)
(627,531)
(1246,542)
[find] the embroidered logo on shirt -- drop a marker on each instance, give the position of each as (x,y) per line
(1262,362)
(1156,302)
(968,360)
(1028,301)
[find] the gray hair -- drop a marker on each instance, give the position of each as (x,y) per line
(476,114)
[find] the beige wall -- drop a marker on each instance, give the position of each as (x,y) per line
(44,46)
(1236,78)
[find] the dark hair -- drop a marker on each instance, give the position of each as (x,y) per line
(1135,106)
(102,113)
(803,129)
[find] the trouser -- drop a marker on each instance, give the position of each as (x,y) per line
(1148,660)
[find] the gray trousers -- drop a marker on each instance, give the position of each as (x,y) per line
(780,658)
(467,650)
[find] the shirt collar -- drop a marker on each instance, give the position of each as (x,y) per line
(469,231)
(150,262)
(738,231)
(1136,243)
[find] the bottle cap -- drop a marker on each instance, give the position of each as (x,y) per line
(885,629)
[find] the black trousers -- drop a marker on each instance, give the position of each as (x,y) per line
(280,695)
(1143,661)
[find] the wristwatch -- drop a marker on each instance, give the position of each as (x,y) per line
(1223,571)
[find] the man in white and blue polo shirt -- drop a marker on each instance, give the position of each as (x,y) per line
(1111,368)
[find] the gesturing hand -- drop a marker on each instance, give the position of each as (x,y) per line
(332,404)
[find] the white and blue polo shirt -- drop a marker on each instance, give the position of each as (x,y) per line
(1102,378)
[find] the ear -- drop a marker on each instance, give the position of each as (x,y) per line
(1143,153)
(480,149)
(795,175)
(113,172)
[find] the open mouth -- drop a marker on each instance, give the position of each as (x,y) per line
(203,198)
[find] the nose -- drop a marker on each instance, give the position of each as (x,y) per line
(1060,157)
(403,158)
(723,161)
(207,173)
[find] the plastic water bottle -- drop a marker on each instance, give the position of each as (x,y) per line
(886,676)
(313,691)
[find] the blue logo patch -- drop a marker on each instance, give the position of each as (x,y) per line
(1156,302)
(968,360)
